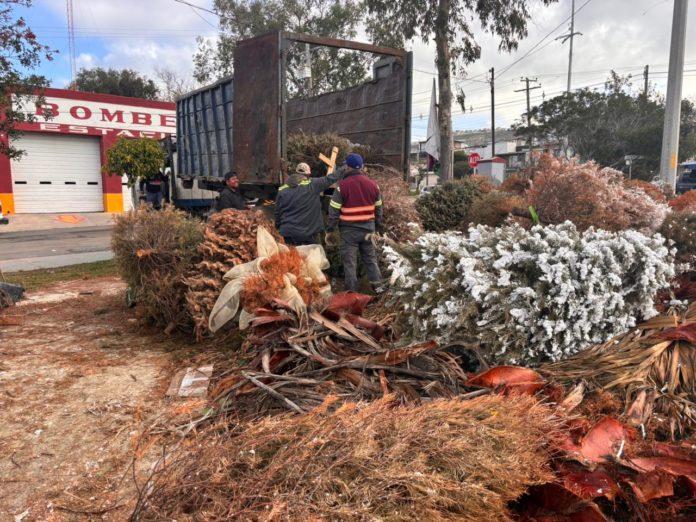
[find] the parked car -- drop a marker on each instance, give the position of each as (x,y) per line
(686,181)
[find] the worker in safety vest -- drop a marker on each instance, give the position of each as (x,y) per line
(298,215)
(356,207)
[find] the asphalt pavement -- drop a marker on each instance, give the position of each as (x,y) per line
(34,249)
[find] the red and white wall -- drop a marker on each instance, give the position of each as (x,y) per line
(62,168)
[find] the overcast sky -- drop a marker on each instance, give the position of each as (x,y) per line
(623,35)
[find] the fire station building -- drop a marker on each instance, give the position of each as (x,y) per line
(61,170)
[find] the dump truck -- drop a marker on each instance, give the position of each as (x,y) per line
(241,123)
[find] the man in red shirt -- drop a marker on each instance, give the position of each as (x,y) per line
(356,207)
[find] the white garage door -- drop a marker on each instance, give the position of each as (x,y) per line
(58,173)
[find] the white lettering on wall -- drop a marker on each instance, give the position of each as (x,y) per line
(100,116)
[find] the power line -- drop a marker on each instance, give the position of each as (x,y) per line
(194,6)
(542,40)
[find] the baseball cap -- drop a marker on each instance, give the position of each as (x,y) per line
(303,168)
(354,161)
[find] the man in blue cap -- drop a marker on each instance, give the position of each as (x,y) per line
(356,207)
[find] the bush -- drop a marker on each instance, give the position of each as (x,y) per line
(591,197)
(527,296)
(493,209)
(651,190)
(461,169)
(686,201)
(154,250)
(460,155)
(401,219)
(447,205)
(516,184)
(680,227)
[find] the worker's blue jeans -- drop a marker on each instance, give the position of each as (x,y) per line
(154,199)
(353,241)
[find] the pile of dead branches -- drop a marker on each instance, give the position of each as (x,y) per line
(653,367)
(296,362)
(229,240)
(443,460)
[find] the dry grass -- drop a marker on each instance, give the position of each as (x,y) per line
(444,460)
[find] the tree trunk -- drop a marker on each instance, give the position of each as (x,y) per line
(444,85)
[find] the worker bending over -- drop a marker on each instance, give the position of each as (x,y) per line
(298,215)
(356,206)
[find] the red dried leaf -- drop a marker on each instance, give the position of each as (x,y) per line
(671,465)
(513,379)
(684,451)
(648,486)
(685,332)
(604,440)
(348,302)
(590,484)
(374,329)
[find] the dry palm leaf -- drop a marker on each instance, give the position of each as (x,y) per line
(654,366)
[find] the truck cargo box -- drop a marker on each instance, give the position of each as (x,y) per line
(241,123)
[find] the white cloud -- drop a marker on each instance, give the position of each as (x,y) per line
(144,35)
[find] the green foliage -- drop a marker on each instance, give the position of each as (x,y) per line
(505,19)
(461,169)
(447,205)
(20,53)
(607,125)
(331,69)
(139,158)
(680,227)
(460,155)
(124,82)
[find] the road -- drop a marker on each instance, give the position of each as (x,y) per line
(29,250)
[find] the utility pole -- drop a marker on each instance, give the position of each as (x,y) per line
(646,73)
(570,36)
(71,38)
(527,88)
(492,112)
(670,136)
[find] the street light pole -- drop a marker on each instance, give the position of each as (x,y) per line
(670,137)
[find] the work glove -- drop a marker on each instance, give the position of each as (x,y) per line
(330,239)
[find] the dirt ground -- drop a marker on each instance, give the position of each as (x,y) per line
(78,378)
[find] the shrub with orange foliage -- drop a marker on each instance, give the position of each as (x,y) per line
(651,190)
(687,201)
(589,196)
(516,184)
(493,209)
